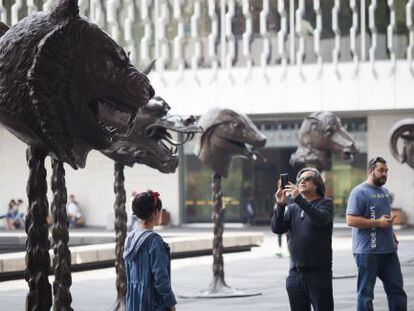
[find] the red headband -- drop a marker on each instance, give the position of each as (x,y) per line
(155,196)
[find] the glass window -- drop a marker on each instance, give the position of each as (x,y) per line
(258,179)
(198,193)
(341,179)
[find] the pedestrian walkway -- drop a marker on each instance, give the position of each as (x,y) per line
(258,270)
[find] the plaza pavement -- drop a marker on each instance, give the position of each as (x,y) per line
(259,270)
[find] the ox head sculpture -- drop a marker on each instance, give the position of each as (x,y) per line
(403,131)
(150,142)
(65,86)
(321,134)
(227,134)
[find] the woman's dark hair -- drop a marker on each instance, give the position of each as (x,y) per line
(145,204)
(317,179)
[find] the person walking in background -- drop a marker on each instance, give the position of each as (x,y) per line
(147,259)
(303,211)
(249,213)
(281,250)
(374,243)
(74,213)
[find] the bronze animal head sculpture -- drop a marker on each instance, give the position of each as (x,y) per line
(65,86)
(403,131)
(227,134)
(321,134)
(150,142)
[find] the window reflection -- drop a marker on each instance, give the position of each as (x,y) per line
(259,178)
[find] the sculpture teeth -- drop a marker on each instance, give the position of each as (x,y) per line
(121,116)
(112,130)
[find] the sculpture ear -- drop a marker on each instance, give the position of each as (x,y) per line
(66,9)
(149,67)
(398,131)
(3,29)
(45,82)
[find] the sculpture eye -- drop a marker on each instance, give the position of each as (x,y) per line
(329,132)
(235,125)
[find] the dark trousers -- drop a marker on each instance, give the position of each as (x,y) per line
(311,286)
(387,268)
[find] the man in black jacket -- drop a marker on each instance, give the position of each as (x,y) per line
(303,211)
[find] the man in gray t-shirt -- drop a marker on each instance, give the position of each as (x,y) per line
(373,240)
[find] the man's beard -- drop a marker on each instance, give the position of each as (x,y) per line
(379,181)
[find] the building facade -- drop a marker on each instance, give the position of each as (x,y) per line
(276,61)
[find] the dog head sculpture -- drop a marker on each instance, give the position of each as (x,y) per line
(65,86)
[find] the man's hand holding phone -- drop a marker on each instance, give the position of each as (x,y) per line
(384,221)
(280,195)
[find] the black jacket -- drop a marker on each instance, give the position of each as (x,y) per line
(309,226)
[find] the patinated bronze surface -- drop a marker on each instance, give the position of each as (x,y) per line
(402,141)
(37,243)
(227,134)
(65,86)
(321,134)
(151,144)
(218,283)
(60,237)
(120,231)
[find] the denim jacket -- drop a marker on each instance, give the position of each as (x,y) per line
(147,263)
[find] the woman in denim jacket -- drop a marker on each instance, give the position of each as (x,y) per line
(147,259)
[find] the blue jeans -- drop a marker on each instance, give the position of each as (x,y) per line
(387,268)
(310,287)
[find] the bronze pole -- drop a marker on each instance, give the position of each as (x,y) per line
(120,231)
(60,240)
(37,244)
(218,263)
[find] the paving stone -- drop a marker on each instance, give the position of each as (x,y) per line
(259,270)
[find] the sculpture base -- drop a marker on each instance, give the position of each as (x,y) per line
(221,292)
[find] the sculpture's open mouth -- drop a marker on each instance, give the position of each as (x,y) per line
(112,117)
(245,149)
(348,154)
(164,138)
(162,131)
(165,163)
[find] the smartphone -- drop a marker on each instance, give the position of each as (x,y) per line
(284,180)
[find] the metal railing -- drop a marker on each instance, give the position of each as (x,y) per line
(224,34)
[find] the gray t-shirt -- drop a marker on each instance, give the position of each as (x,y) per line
(370,202)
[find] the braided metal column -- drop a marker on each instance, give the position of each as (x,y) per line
(37,244)
(218,287)
(60,236)
(218,264)
(120,231)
